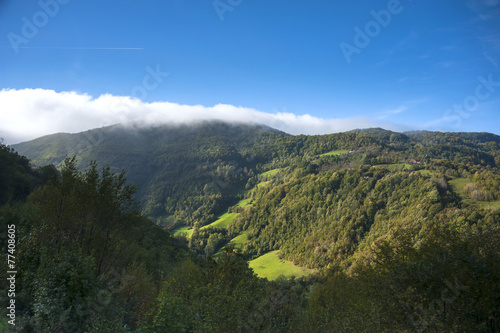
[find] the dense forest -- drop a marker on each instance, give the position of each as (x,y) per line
(133,229)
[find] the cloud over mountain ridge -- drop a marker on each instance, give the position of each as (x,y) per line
(30,113)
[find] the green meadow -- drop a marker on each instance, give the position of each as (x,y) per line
(244,203)
(271,173)
(259,185)
(239,240)
(270,266)
(182,230)
(458,184)
(223,221)
(335,153)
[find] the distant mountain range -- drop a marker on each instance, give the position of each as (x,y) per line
(171,162)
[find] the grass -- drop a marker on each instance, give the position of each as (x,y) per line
(458,184)
(271,173)
(223,221)
(335,153)
(182,230)
(398,166)
(259,185)
(239,240)
(488,204)
(244,203)
(425,172)
(266,177)
(270,266)
(493,204)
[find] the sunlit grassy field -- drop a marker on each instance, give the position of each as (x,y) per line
(458,184)
(244,203)
(335,153)
(223,221)
(182,230)
(270,266)
(270,173)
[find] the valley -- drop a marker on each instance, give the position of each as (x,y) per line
(230,217)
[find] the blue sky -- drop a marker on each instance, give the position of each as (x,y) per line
(423,65)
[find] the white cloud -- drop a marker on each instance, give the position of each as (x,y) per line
(30,113)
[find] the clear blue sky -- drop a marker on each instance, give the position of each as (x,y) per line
(273,56)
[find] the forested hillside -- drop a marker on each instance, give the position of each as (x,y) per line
(17,177)
(398,231)
(182,172)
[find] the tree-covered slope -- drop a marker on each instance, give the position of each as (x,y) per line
(402,230)
(17,177)
(185,172)
(323,219)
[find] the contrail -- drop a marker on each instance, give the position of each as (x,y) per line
(78,48)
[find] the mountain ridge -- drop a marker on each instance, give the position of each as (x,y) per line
(402,212)
(207,163)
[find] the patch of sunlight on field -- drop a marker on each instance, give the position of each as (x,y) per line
(182,230)
(223,221)
(270,266)
(335,153)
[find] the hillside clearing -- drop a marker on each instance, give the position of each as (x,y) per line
(259,185)
(335,153)
(239,240)
(271,173)
(458,184)
(182,230)
(244,203)
(270,266)
(488,204)
(223,221)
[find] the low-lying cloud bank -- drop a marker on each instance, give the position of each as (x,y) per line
(30,113)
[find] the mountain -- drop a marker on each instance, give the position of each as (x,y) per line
(388,231)
(190,175)
(174,167)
